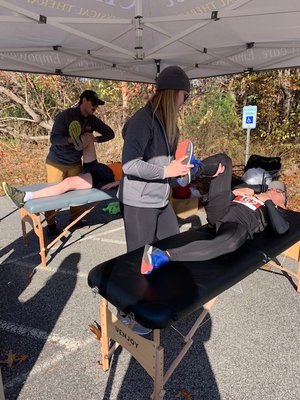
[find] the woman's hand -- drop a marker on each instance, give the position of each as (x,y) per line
(177,168)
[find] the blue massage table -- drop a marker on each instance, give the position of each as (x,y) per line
(172,292)
(33,211)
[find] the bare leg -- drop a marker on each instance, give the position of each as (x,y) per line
(89,151)
(83,181)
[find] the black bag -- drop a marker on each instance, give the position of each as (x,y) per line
(269,164)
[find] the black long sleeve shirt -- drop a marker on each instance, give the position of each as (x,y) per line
(61,151)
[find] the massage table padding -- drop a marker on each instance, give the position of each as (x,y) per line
(32,210)
(65,200)
(175,290)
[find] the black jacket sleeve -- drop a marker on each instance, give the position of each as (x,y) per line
(276,218)
(105,131)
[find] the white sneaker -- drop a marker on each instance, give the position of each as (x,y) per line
(137,328)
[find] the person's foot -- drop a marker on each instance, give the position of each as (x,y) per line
(186,149)
(196,163)
(137,328)
(153,258)
(52,231)
(16,195)
(75,132)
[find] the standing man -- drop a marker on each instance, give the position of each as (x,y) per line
(67,142)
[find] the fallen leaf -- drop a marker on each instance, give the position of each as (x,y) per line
(13,357)
(21,357)
(96,330)
(10,359)
(184,394)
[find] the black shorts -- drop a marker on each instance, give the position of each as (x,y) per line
(101,173)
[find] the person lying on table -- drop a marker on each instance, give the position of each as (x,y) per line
(95,175)
(236,215)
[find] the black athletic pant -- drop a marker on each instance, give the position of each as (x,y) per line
(147,225)
(230,235)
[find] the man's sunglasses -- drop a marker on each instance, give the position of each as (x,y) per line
(276,190)
(93,104)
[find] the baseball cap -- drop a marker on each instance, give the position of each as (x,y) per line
(277,185)
(92,96)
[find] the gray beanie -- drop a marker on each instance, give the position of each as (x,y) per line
(173,77)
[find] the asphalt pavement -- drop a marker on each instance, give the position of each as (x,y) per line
(247,348)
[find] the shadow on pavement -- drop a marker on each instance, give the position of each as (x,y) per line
(35,318)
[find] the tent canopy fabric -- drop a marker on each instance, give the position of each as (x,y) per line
(133,40)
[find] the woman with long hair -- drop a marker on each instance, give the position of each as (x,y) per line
(150,140)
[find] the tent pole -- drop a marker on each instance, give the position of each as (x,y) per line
(139,50)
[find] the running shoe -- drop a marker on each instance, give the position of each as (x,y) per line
(185,148)
(153,258)
(196,163)
(137,328)
(75,132)
(16,195)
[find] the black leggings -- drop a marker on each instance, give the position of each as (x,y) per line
(147,225)
(230,235)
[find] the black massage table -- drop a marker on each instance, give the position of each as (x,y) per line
(176,290)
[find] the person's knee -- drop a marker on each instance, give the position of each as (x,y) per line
(210,165)
(70,182)
(224,159)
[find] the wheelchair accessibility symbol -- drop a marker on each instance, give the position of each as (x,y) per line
(249,117)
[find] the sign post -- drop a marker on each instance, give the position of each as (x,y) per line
(249,122)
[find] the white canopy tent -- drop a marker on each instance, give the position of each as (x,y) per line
(132,40)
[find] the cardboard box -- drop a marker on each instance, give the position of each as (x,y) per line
(185,208)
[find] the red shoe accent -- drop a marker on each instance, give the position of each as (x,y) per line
(184,148)
(146,266)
